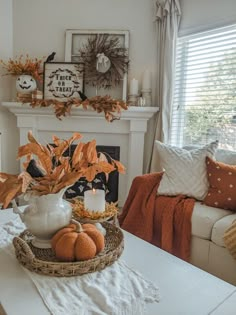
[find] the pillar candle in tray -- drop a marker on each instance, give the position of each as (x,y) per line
(94,200)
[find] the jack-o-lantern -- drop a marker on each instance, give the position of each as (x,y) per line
(25,84)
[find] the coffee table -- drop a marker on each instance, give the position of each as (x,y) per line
(184,289)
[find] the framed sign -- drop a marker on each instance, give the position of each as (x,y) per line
(62,80)
(104,54)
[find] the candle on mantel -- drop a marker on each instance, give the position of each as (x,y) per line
(94,200)
(133,90)
(146,80)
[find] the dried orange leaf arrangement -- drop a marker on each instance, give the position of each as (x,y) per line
(24,65)
(47,169)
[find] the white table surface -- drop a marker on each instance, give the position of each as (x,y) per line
(184,289)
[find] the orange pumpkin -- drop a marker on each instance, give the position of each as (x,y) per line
(77,242)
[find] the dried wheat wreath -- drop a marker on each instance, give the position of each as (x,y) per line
(105,61)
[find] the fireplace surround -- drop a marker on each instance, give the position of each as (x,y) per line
(127,133)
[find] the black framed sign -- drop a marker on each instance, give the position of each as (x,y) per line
(62,80)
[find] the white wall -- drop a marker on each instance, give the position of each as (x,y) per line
(10,137)
(39,26)
(201,15)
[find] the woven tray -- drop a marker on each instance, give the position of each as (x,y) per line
(43,261)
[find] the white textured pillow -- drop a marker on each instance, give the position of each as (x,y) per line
(185,171)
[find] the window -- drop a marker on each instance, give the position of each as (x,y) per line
(204,107)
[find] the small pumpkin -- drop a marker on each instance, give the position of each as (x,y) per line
(77,242)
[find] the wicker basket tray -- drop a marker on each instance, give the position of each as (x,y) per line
(43,261)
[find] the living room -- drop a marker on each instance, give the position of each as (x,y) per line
(39,28)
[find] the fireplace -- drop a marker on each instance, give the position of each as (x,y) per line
(126,133)
(108,183)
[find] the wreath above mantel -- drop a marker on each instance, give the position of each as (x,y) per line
(111,107)
(105,61)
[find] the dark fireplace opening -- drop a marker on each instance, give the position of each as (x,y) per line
(108,183)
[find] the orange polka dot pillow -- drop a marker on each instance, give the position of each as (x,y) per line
(222,185)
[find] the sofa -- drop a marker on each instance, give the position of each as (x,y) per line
(208,250)
(209,224)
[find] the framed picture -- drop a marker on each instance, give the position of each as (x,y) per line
(62,80)
(105,55)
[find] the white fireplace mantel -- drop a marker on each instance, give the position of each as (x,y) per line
(127,133)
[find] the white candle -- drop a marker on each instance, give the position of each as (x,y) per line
(94,200)
(133,87)
(146,80)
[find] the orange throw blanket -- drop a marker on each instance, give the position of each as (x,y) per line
(161,220)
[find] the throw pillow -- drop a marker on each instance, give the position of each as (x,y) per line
(185,171)
(222,180)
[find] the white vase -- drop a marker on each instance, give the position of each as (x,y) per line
(44,216)
(25,84)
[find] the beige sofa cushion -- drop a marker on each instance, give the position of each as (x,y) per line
(204,218)
(219,229)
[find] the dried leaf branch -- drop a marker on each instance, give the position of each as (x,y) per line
(55,170)
(24,65)
(111,107)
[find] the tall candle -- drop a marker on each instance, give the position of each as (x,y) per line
(146,80)
(133,90)
(94,200)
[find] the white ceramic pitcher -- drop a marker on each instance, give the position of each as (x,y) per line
(44,216)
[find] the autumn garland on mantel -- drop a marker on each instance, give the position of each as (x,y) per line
(111,107)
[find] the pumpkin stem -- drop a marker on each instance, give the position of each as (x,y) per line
(79,228)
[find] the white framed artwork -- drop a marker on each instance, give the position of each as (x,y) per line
(104,54)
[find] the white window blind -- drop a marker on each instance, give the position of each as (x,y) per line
(204,107)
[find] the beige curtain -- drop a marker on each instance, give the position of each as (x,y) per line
(167,23)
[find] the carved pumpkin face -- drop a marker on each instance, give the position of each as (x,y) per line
(25,84)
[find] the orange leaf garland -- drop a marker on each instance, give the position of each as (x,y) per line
(105,104)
